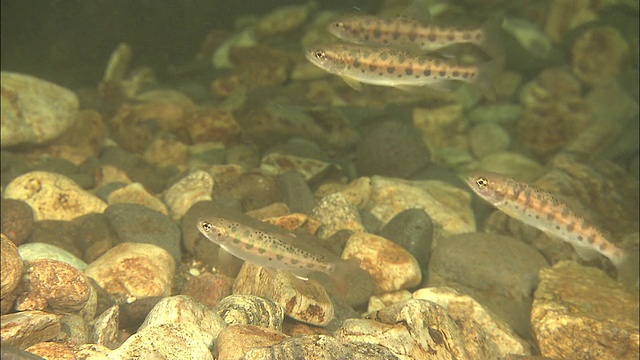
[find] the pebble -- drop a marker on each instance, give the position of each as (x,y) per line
(304,301)
(75,329)
(391,267)
(164,341)
(25,328)
(53,196)
(135,223)
(487,138)
(282,20)
(193,188)
(252,190)
(234,341)
(56,232)
(499,271)
(184,310)
(17,220)
(511,164)
(57,286)
(166,151)
(319,347)
(377,302)
(599,54)
(135,270)
(412,230)
(33,251)
(413,329)
(11,265)
(135,193)
(295,192)
(336,213)
(475,320)
(251,310)
(358,191)
(94,235)
(391,149)
(580,310)
(496,113)
(34,111)
(105,328)
(207,288)
(448,206)
(51,350)
(278,164)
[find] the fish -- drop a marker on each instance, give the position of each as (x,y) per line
(271,250)
(410,34)
(545,212)
(385,66)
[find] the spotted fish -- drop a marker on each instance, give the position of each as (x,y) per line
(386,66)
(407,33)
(272,250)
(544,212)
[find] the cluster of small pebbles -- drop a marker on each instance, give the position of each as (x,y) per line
(101,257)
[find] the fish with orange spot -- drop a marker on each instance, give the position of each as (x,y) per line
(386,66)
(545,212)
(272,250)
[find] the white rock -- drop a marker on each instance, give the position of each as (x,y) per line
(34,111)
(53,196)
(191,189)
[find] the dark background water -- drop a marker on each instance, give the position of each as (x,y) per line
(69,42)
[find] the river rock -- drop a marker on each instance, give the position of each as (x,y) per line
(251,310)
(53,196)
(134,270)
(17,220)
(234,341)
(25,328)
(187,191)
(579,310)
(302,300)
(34,111)
(336,213)
(11,265)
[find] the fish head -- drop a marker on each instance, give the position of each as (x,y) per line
(211,229)
(347,28)
(487,185)
(330,59)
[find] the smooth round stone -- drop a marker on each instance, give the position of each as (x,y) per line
(34,111)
(295,192)
(33,251)
(53,196)
(17,220)
(234,341)
(487,138)
(500,113)
(138,224)
(189,190)
(511,164)
(413,230)
(11,266)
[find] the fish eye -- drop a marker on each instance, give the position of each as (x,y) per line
(338,25)
(320,54)
(206,226)
(482,182)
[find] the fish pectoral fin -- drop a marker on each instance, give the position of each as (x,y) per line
(585,253)
(353,83)
(300,275)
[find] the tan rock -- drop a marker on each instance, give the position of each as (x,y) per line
(599,54)
(189,190)
(134,270)
(278,164)
(282,20)
(52,350)
(377,302)
(11,265)
(473,317)
(251,310)
(234,341)
(135,193)
(449,207)
(392,267)
(34,111)
(56,285)
(53,196)
(25,328)
(579,310)
(302,300)
(442,127)
(166,151)
(336,213)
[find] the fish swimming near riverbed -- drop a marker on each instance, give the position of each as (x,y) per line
(385,66)
(271,250)
(545,212)
(404,32)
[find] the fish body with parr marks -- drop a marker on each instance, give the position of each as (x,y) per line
(545,212)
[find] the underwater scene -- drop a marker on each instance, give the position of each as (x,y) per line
(357,179)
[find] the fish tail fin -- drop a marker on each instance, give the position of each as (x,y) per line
(628,267)
(491,39)
(486,74)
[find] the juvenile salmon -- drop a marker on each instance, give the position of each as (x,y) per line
(272,250)
(392,67)
(543,211)
(407,33)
